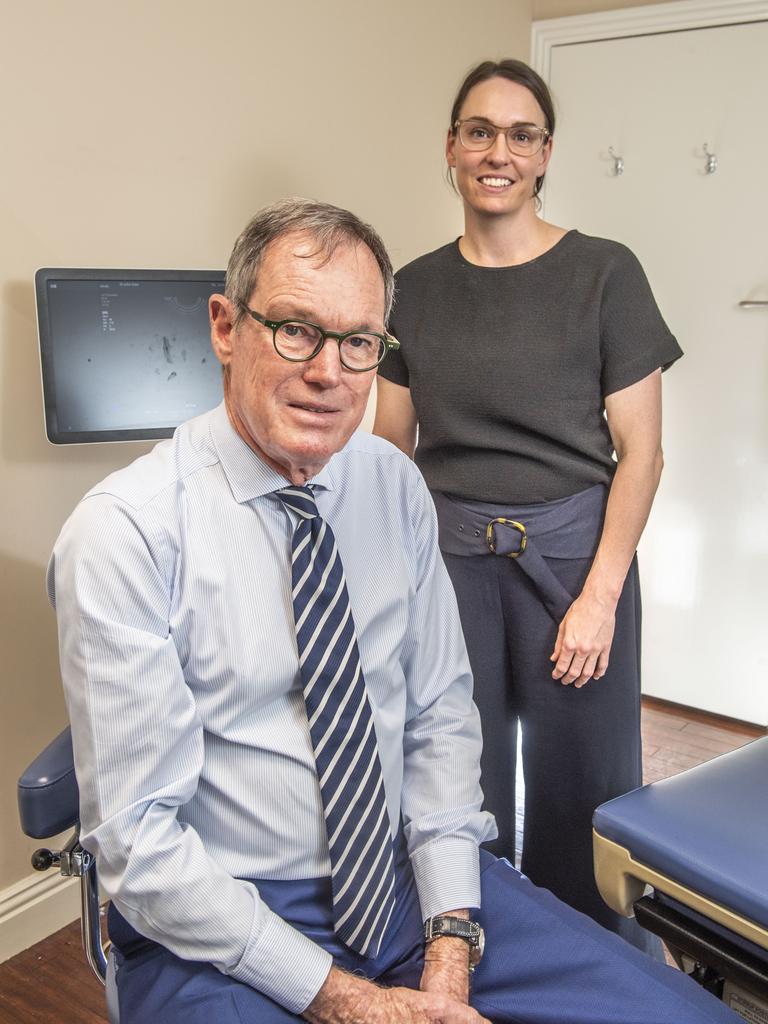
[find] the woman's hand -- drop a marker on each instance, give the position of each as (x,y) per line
(583,645)
(585,635)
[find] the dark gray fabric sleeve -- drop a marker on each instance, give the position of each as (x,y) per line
(634,339)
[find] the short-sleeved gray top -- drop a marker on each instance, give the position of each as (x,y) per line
(508,367)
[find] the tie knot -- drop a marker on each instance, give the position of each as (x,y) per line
(300,500)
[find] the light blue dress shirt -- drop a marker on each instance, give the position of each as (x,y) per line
(172,586)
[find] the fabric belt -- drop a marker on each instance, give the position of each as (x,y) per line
(528,534)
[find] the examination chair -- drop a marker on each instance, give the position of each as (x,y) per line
(688,857)
(49,804)
(698,842)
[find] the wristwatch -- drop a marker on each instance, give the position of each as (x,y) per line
(457,928)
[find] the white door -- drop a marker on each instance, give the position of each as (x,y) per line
(656,100)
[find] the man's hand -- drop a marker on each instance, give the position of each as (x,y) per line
(446,969)
(348,999)
(584,639)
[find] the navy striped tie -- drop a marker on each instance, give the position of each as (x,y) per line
(343,736)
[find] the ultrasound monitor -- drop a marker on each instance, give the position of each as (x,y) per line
(125,354)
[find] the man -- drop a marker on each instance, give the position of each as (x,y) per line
(276,744)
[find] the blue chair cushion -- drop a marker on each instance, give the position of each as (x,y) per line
(47,791)
(706,829)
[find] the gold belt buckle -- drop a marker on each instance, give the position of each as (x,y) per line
(490,536)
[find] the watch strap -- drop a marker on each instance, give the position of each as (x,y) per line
(445,926)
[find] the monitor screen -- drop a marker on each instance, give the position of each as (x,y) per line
(125,354)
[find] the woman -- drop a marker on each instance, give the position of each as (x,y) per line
(530,354)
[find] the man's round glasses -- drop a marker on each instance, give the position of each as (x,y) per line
(298,341)
(522,139)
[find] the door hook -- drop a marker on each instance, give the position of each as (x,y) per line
(711,165)
(618,162)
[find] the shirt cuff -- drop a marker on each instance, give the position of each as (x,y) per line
(447,873)
(283,964)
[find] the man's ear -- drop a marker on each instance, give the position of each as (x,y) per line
(221,316)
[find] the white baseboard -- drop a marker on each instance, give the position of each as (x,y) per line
(34,908)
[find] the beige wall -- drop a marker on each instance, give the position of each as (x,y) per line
(144,135)
(542,9)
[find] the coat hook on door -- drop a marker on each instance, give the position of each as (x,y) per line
(711,165)
(618,162)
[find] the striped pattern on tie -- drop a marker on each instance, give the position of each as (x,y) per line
(341,728)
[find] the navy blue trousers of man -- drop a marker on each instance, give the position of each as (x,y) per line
(545,963)
(579,747)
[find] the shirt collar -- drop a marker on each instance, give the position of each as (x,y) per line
(247,474)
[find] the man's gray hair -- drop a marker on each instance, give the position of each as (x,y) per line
(329,226)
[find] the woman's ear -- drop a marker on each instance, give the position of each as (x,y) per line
(545,155)
(450,148)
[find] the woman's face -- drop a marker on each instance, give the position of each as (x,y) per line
(494,181)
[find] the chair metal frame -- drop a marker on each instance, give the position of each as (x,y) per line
(73,861)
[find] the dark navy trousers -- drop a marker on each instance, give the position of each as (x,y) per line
(579,747)
(545,964)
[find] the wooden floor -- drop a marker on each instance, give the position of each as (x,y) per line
(51,982)
(674,740)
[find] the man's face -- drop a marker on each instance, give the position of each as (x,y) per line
(297,415)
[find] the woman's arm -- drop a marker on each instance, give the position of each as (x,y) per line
(395,415)
(583,645)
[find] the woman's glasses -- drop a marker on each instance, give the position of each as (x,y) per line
(522,139)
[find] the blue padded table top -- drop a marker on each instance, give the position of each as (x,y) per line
(706,829)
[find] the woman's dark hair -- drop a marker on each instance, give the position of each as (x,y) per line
(514,71)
